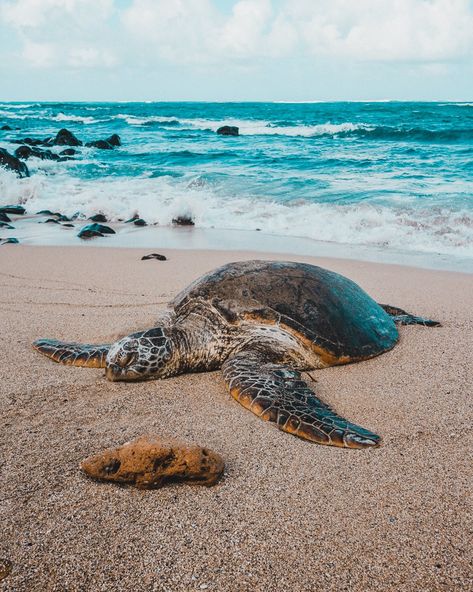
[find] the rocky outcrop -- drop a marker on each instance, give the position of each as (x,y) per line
(30,141)
(101,144)
(15,210)
(183,221)
(228,130)
(66,138)
(12,163)
(6,128)
(108,144)
(114,140)
(91,230)
(150,462)
(68,152)
(98,218)
(25,152)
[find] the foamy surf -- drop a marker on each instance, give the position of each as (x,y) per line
(380,176)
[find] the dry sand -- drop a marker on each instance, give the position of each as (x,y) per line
(289,515)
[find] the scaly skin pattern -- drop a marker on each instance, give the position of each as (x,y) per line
(276,393)
(73,354)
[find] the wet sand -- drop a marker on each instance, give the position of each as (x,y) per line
(288,515)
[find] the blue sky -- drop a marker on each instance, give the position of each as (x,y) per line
(236,50)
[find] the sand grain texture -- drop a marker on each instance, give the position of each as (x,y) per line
(288,515)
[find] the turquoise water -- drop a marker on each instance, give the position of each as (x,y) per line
(392,176)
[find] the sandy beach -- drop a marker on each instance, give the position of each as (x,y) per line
(288,514)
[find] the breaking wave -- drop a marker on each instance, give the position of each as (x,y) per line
(159,200)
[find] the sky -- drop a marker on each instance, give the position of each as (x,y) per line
(236,50)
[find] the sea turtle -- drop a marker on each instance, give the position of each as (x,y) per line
(262,323)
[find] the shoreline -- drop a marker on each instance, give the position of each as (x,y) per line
(288,514)
(31,233)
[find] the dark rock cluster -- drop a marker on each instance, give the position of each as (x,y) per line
(30,147)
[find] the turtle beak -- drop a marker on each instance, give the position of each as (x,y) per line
(116,373)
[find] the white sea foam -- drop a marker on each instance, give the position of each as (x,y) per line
(250,126)
(134,120)
(75,118)
(159,200)
(258,127)
(18,105)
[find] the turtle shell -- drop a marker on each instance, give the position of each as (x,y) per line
(326,310)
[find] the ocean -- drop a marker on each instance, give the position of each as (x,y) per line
(379,177)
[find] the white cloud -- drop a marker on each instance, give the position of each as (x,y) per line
(61,32)
(37,13)
(104,33)
(370,30)
(39,55)
(90,57)
(384,30)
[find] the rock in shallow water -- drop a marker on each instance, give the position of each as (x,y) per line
(16,210)
(92,230)
(228,130)
(183,221)
(149,462)
(26,152)
(66,138)
(98,218)
(9,161)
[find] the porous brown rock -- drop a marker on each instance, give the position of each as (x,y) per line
(149,462)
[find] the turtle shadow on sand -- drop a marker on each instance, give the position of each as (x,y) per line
(262,323)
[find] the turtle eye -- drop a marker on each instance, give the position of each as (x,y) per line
(125,359)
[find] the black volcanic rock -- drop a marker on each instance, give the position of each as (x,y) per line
(88,233)
(25,152)
(6,128)
(15,210)
(9,241)
(6,225)
(154,256)
(68,152)
(11,162)
(102,144)
(4,217)
(28,141)
(95,230)
(139,222)
(228,130)
(114,140)
(66,138)
(183,221)
(98,218)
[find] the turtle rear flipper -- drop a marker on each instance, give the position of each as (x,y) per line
(73,354)
(275,392)
(404,318)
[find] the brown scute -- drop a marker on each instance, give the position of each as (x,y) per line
(150,462)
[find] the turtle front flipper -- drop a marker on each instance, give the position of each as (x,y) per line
(405,318)
(275,392)
(73,354)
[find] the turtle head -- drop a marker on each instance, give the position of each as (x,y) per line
(141,356)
